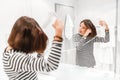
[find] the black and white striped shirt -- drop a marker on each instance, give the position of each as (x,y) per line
(21,66)
(84,49)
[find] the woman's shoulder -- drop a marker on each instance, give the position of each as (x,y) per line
(8,49)
(77,35)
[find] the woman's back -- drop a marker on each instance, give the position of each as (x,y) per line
(19,66)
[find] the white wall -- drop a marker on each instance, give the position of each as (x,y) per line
(10,11)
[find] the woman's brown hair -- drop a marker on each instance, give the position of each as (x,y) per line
(27,36)
(88,23)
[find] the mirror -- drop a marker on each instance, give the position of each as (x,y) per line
(71,12)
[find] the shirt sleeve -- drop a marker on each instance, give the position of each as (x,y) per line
(103,39)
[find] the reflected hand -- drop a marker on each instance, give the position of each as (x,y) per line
(88,31)
(104,24)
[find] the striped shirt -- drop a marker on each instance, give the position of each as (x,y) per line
(84,49)
(21,66)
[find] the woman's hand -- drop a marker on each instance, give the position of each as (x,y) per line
(88,31)
(58,26)
(104,24)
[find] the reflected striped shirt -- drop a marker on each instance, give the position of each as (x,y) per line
(84,49)
(21,66)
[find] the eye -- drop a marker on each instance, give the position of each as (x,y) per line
(83,27)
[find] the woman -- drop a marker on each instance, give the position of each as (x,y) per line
(25,39)
(84,41)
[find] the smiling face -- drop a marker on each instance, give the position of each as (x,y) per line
(82,28)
